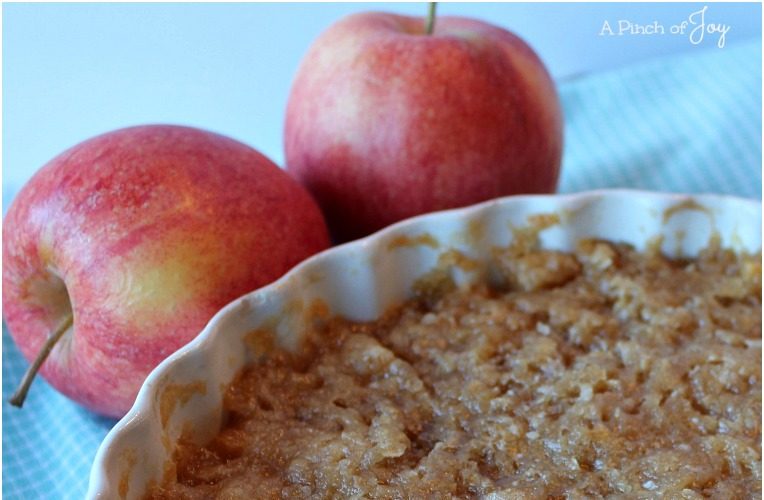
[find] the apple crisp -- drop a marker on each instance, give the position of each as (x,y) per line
(603,372)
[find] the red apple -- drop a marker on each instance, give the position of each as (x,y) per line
(385,121)
(141,235)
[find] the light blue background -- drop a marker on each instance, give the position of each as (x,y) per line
(71,71)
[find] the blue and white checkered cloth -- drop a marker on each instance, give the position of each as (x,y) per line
(684,124)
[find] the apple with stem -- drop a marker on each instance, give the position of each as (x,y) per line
(119,250)
(392,116)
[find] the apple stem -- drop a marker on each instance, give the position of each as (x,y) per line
(431,18)
(21,393)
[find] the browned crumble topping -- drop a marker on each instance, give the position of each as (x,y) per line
(602,372)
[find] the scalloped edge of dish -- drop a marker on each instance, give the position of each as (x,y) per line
(362,278)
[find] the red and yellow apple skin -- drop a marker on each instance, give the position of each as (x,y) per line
(144,233)
(385,122)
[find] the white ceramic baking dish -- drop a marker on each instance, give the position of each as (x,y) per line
(360,280)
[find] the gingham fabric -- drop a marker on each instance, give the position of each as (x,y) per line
(685,124)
